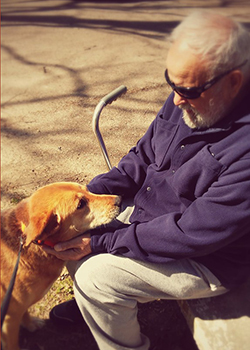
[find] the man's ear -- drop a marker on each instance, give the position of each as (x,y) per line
(41,226)
(236,81)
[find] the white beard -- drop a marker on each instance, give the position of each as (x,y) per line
(194,119)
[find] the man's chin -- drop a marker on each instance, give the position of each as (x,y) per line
(190,119)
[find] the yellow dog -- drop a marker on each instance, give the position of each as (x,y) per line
(57,212)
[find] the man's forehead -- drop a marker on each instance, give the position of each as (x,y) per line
(183,65)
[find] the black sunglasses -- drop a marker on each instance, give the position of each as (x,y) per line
(190,93)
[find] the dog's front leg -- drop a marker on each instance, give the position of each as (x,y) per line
(10,332)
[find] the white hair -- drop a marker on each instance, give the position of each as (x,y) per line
(221,42)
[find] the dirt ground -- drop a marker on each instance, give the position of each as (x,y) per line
(59,58)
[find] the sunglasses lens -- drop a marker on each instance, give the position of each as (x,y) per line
(188,93)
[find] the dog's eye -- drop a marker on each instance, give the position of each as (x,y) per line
(82,203)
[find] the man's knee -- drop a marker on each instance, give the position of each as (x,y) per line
(97,275)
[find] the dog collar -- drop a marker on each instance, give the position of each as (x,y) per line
(38,242)
(47,243)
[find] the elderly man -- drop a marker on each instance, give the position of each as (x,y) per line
(189,175)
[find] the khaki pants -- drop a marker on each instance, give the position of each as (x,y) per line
(108,287)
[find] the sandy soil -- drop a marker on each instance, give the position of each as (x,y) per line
(59,58)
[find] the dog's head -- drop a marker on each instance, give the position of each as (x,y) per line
(63,210)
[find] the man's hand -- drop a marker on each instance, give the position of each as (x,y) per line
(74,249)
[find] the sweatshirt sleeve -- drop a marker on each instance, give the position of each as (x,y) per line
(215,220)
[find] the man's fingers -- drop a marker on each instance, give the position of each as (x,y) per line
(74,249)
(69,254)
(73,243)
(59,247)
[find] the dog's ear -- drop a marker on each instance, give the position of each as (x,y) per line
(41,227)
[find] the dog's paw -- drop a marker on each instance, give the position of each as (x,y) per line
(34,324)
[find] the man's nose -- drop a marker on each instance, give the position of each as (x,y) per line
(178,100)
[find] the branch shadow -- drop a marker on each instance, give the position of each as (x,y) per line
(73,73)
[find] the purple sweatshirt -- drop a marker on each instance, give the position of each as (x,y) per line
(191,190)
